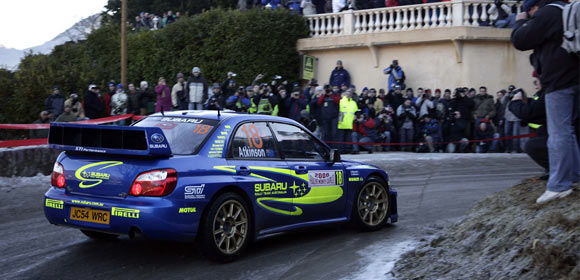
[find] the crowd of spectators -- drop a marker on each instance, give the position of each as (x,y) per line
(147,21)
(423,120)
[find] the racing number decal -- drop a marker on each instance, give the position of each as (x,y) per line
(201,129)
(339,178)
(254,138)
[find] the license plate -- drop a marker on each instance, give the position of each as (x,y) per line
(89,215)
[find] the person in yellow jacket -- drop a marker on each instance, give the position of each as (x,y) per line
(347,108)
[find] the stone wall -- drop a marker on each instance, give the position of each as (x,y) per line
(27,161)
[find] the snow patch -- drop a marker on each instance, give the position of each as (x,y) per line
(378,260)
(9,183)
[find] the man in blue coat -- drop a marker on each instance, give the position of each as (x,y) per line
(396,75)
(339,76)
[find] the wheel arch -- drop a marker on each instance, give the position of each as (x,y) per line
(237,190)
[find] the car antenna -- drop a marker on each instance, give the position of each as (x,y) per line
(218,109)
(162,113)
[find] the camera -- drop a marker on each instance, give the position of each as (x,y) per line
(511,94)
(234,74)
(277,77)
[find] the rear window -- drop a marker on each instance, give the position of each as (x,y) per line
(184,135)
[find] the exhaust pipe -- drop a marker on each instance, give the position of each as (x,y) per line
(136,233)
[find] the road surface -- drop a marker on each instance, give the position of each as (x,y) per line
(434,190)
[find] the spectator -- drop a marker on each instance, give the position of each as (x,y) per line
(163,96)
(440,105)
(499,106)
(266,101)
(425,104)
(395,97)
(308,7)
(75,106)
(409,94)
(471,93)
(217,101)
(92,103)
(310,89)
(229,85)
(295,104)
(396,75)
(454,131)
(338,5)
(196,90)
(376,102)
(119,104)
(512,126)
(485,130)
(364,131)
(67,115)
(461,103)
(107,98)
(339,76)
(170,17)
(271,4)
(178,96)
(146,99)
(315,110)
(132,100)
(406,114)
(240,102)
(447,95)
(347,108)
(504,18)
(40,133)
(539,27)
(484,107)
(282,97)
(386,126)
(431,132)
(54,103)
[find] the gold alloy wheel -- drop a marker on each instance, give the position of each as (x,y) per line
(230,227)
(373,204)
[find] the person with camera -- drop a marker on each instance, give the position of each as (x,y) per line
(226,86)
(240,102)
(407,114)
(76,106)
(217,101)
(454,130)
(425,103)
(329,102)
(363,131)
(431,134)
(540,27)
(395,97)
(178,98)
(396,75)
(295,104)
(339,76)
(504,18)
(386,126)
(266,101)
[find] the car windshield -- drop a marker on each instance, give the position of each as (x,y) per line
(184,135)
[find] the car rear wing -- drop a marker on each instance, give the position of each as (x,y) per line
(104,139)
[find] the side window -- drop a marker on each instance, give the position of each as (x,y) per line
(295,143)
(254,141)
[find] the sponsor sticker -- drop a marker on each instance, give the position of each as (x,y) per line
(355,179)
(92,174)
(247,152)
(53,203)
(324,178)
(354,173)
(181,120)
(194,192)
(187,210)
(84,202)
(272,188)
(83,149)
(157,138)
(125,212)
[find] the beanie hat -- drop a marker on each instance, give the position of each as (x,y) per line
(179,75)
(528,4)
(195,69)
(120,86)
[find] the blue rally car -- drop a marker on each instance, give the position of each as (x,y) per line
(225,179)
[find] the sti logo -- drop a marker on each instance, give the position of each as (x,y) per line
(194,192)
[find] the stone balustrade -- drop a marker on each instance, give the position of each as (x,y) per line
(403,18)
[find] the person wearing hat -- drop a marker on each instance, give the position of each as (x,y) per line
(217,99)
(240,101)
(295,103)
(93,106)
(178,98)
(407,114)
(539,27)
(119,102)
(396,75)
(54,103)
(76,106)
(339,76)
(67,115)
(364,131)
(196,90)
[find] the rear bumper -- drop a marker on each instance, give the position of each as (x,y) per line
(154,217)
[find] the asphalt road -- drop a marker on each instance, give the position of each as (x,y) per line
(434,190)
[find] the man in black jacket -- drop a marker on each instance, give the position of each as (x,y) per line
(92,103)
(540,28)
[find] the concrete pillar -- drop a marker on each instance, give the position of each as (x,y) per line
(348,20)
(457,12)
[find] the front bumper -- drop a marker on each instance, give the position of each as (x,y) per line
(154,217)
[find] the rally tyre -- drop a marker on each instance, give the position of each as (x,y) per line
(225,228)
(371,209)
(96,235)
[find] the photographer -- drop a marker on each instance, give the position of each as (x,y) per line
(228,88)
(407,114)
(217,100)
(329,108)
(454,131)
(386,126)
(266,101)
(396,75)
(295,104)
(431,132)
(239,102)
(395,97)
(504,18)
(363,131)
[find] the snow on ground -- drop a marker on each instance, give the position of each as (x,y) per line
(405,156)
(377,260)
(23,148)
(9,183)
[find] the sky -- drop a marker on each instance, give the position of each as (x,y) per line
(30,23)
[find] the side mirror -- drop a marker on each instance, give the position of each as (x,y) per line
(334,155)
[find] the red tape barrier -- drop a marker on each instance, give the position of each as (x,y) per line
(436,143)
(25,142)
(47,125)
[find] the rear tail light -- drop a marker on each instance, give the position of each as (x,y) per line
(154,183)
(57,177)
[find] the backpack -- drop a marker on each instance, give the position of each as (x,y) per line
(571,22)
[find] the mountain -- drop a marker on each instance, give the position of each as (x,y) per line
(10,58)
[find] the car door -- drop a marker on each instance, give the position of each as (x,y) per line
(255,159)
(321,196)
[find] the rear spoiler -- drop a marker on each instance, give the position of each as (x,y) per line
(104,139)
